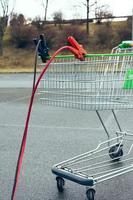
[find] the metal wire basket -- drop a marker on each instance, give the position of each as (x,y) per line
(98,83)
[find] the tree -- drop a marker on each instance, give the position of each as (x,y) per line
(124,32)
(79,34)
(17,20)
(5,12)
(102,12)
(88,11)
(45,3)
(58,18)
(21,34)
(38,23)
(88,6)
(104,36)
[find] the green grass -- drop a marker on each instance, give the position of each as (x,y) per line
(16,60)
(19,60)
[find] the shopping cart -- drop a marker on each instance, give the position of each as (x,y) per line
(100,82)
(94,82)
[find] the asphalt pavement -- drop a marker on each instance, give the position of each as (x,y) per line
(54,134)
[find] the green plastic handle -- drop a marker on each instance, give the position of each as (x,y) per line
(126,44)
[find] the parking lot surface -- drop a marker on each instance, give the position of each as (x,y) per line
(54,134)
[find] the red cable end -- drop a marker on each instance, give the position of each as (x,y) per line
(77,46)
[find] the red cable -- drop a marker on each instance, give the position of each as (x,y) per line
(23,143)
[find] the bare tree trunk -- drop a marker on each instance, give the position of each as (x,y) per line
(4,8)
(1,37)
(3,24)
(46,9)
(87,23)
(1,46)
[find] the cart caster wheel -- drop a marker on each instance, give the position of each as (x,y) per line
(90,193)
(114,153)
(60,184)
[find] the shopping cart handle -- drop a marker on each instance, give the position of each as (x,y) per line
(76,45)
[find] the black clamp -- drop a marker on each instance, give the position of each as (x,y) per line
(42,49)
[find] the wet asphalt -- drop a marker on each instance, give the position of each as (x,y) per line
(54,134)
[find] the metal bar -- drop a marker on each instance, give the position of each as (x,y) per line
(95,55)
(100,118)
(104,172)
(115,117)
(115,173)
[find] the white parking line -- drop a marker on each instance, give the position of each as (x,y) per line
(15,100)
(50,127)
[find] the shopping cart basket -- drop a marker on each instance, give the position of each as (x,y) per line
(100,82)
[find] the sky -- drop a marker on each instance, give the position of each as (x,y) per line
(70,8)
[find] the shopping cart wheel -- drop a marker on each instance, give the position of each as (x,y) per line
(116,152)
(90,193)
(60,184)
